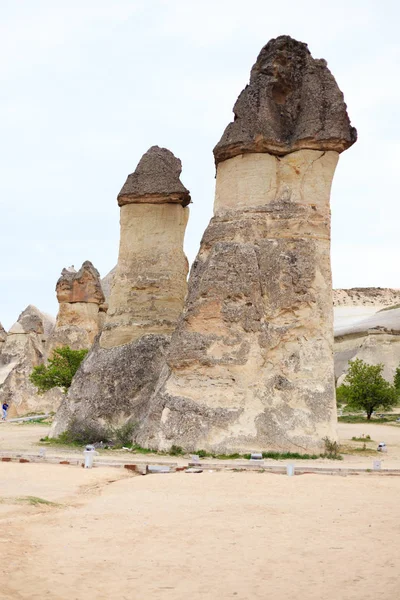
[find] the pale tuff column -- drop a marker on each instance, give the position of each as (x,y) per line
(251,365)
(150,282)
(149,285)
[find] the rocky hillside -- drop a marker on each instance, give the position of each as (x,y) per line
(374,297)
(367,326)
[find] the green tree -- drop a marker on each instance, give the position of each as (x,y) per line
(341,397)
(59,371)
(364,388)
(396,381)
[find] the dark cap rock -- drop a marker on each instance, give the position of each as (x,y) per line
(80,286)
(291,103)
(155,180)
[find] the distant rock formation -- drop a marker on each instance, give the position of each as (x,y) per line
(80,315)
(251,364)
(106,283)
(367,326)
(375,339)
(355,304)
(116,380)
(22,350)
(3,336)
(372,296)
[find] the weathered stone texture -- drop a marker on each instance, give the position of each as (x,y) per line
(147,291)
(374,297)
(23,350)
(251,360)
(80,286)
(107,282)
(149,286)
(80,315)
(113,385)
(3,336)
(155,180)
(250,366)
(292,102)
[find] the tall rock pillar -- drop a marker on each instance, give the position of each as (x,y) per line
(149,285)
(250,366)
(117,379)
(80,313)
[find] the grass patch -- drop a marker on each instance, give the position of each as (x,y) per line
(39,421)
(59,441)
(363,450)
(35,501)
(270,454)
(363,419)
(31,500)
(363,438)
(80,434)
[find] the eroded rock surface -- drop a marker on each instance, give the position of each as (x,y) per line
(3,336)
(149,285)
(23,349)
(155,179)
(80,315)
(119,375)
(250,366)
(81,286)
(292,102)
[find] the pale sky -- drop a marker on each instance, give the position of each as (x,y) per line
(87,86)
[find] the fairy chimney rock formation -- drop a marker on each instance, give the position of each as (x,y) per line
(149,284)
(145,295)
(82,286)
(80,316)
(251,365)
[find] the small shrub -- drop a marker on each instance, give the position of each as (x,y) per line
(202,453)
(176,450)
(331,448)
(230,456)
(122,436)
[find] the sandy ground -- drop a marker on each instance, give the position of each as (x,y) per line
(197,536)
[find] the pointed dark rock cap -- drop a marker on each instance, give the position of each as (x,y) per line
(291,103)
(80,286)
(155,180)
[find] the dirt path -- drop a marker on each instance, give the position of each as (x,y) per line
(210,536)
